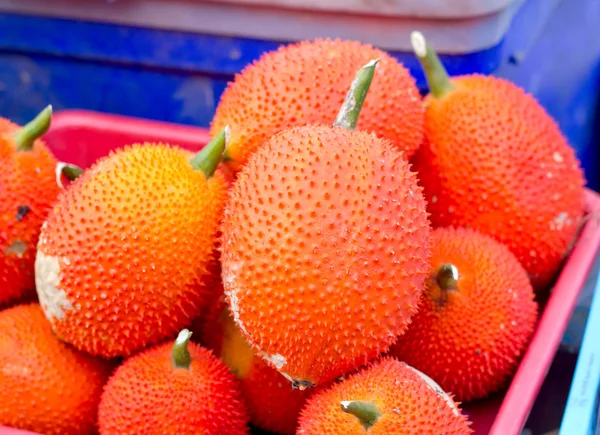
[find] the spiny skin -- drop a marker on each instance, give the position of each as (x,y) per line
(272,402)
(325,250)
(47,386)
(472,341)
(146,396)
(134,237)
(28,189)
(408,405)
(493,160)
(306,83)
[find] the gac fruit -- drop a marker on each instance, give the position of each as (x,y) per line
(175,388)
(28,190)
(325,246)
(388,397)
(305,83)
(48,387)
(495,161)
(272,402)
(476,315)
(125,256)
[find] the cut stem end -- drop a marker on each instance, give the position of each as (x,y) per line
(447,277)
(437,77)
(366,412)
(33,130)
(350,110)
(69,171)
(208,158)
(180,355)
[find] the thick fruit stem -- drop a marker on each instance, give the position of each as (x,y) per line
(71,172)
(366,412)
(208,158)
(180,355)
(437,77)
(33,130)
(350,110)
(447,276)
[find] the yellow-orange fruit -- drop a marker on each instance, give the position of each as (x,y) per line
(306,83)
(47,386)
(28,189)
(495,161)
(272,402)
(148,395)
(325,250)
(407,401)
(470,339)
(124,256)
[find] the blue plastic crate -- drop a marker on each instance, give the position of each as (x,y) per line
(581,412)
(178,76)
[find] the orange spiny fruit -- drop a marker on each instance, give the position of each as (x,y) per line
(28,189)
(305,83)
(388,397)
(178,389)
(272,402)
(325,250)
(47,386)
(475,317)
(494,160)
(124,256)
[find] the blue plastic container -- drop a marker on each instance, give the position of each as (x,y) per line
(549,47)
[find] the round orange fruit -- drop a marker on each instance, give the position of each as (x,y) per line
(48,387)
(325,250)
(388,397)
(495,161)
(178,389)
(305,83)
(475,318)
(28,189)
(125,256)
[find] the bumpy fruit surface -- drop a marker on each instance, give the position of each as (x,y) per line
(396,399)
(470,338)
(28,189)
(305,83)
(272,402)
(494,160)
(124,256)
(325,250)
(48,387)
(148,395)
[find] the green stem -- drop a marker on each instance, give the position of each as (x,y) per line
(33,130)
(437,77)
(447,277)
(366,412)
(208,158)
(72,172)
(350,110)
(180,355)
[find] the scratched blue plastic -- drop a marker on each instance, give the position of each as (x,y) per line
(580,412)
(179,77)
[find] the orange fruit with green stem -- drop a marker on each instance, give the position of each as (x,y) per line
(125,256)
(175,388)
(387,397)
(476,315)
(28,189)
(494,160)
(306,83)
(325,246)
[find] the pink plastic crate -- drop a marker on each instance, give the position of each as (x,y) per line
(81,137)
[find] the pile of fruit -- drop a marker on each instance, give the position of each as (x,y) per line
(344,257)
